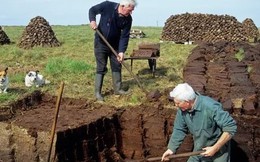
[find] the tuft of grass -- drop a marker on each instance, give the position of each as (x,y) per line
(65,65)
(17,53)
(35,55)
(17,79)
(249,69)
(240,55)
(134,99)
(5,98)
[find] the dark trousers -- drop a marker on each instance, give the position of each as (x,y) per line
(102,53)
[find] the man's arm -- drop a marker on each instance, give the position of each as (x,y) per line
(228,126)
(210,151)
(95,10)
(124,37)
(180,130)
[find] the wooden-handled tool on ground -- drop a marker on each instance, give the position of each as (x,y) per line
(55,119)
(187,154)
(127,68)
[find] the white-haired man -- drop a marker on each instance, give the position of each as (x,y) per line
(115,25)
(203,117)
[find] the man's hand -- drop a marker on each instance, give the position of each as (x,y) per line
(93,25)
(165,154)
(120,57)
(209,151)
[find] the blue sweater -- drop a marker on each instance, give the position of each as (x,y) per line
(115,28)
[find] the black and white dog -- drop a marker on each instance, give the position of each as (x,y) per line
(34,78)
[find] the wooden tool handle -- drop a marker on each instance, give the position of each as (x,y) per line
(177,155)
(53,130)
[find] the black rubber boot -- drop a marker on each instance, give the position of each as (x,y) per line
(117,84)
(98,87)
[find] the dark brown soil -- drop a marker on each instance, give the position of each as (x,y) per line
(72,113)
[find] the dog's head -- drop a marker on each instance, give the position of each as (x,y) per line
(3,75)
(32,75)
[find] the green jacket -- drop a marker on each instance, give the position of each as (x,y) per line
(206,123)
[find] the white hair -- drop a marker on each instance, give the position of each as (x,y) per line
(128,2)
(183,92)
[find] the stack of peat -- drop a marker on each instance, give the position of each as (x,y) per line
(206,28)
(147,50)
(230,73)
(227,72)
(38,33)
(251,29)
(3,37)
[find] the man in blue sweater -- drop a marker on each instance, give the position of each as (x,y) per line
(115,25)
(211,126)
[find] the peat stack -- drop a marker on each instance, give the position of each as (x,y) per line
(227,72)
(38,33)
(251,29)
(3,37)
(204,28)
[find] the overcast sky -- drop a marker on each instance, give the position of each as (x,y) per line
(147,13)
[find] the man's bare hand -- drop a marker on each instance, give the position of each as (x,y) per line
(209,151)
(120,57)
(93,25)
(165,154)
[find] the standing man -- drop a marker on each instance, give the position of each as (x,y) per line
(115,24)
(211,126)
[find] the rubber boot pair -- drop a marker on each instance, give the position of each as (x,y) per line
(117,85)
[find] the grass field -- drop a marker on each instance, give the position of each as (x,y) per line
(74,64)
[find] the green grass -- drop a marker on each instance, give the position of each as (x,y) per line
(74,64)
(56,66)
(240,54)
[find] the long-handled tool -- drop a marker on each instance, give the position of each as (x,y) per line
(125,65)
(176,155)
(55,118)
